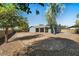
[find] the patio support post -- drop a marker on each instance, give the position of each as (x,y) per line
(44,29)
(39,29)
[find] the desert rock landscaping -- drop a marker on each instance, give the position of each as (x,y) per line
(24,43)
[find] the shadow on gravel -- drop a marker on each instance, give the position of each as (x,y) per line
(27,37)
(54,47)
(9,36)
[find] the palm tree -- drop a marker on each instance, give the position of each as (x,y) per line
(51,13)
(77,21)
(77,15)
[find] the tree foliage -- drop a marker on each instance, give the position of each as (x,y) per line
(52,12)
(9,18)
(25,7)
(77,22)
(77,15)
(7,15)
(23,24)
(63,27)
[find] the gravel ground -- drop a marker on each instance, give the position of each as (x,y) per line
(55,47)
(24,43)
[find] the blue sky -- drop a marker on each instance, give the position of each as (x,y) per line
(67,18)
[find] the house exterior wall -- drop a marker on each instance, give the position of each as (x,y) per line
(32,29)
(49,30)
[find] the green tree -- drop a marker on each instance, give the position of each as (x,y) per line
(77,15)
(25,7)
(51,13)
(77,22)
(6,12)
(8,18)
(23,24)
(63,27)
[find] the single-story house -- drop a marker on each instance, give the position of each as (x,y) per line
(75,28)
(42,28)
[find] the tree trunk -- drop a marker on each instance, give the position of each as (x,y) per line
(52,29)
(54,32)
(6,35)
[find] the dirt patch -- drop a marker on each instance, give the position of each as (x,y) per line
(24,43)
(19,43)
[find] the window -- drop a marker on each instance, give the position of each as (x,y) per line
(41,29)
(37,29)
